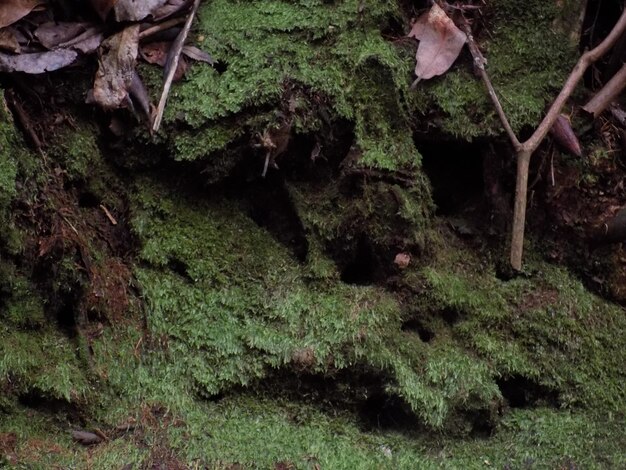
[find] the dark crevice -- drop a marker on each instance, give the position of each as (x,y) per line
(387,412)
(414,325)
(88,199)
(455,170)
(180,268)
(360,391)
(451,316)
(51,406)
(521,392)
(363,267)
(269,205)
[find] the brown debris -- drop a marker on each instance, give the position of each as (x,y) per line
(13,10)
(117,67)
(440,43)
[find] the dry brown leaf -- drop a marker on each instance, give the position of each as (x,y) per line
(118,55)
(103,7)
(564,135)
(86,42)
(155,52)
(158,53)
(133,10)
(440,43)
(13,10)
(53,34)
(170,8)
(38,62)
(198,54)
(8,41)
(139,95)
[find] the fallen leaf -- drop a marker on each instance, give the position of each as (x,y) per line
(51,34)
(170,8)
(158,53)
(564,135)
(440,43)
(155,52)
(134,10)
(197,54)
(13,10)
(103,7)
(139,94)
(118,55)
(87,42)
(38,62)
(8,41)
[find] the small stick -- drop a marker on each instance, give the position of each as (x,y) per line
(161,27)
(24,121)
(479,62)
(70,224)
(108,214)
(607,94)
(176,50)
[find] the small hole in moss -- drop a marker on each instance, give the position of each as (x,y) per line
(387,412)
(179,268)
(521,392)
(270,207)
(51,406)
(361,269)
(456,174)
(451,316)
(416,326)
(88,199)
(220,66)
(66,320)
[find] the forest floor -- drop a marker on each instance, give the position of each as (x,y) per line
(165,306)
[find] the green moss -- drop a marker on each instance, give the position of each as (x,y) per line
(76,149)
(546,328)
(238,305)
(331,51)
(335,217)
(41,363)
(528,62)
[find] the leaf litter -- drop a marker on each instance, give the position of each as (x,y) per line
(34,39)
(441,42)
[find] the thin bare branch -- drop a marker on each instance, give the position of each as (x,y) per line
(584,62)
(527,148)
(607,94)
(479,62)
(160,27)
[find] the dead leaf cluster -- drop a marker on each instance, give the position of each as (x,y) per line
(36,37)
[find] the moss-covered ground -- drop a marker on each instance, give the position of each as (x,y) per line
(157,291)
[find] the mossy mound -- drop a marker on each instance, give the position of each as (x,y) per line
(235,304)
(208,351)
(315,63)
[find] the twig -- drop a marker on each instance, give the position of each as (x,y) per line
(175,51)
(108,214)
(24,121)
(479,62)
(525,150)
(161,27)
(607,93)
